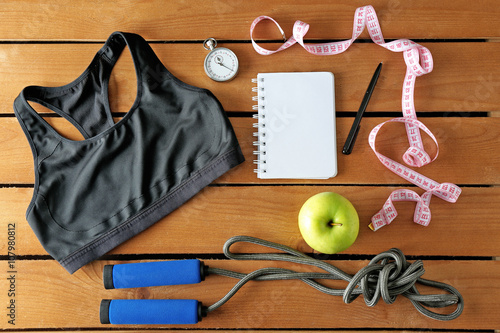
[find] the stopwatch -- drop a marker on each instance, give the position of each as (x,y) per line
(221,64)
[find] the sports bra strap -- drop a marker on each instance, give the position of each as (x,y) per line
(149,69)
(142,54)
(84,102)
(41,136)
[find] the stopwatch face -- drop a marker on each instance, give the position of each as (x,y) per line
(221,64)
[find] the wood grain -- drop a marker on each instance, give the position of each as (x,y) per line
(49,297)
(468,146)
(197,20)
(458,68)
(467,228)
(228,331)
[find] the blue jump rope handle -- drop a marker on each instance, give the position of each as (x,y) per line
(150,311)
(149,274)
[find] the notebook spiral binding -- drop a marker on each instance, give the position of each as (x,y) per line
(260,125)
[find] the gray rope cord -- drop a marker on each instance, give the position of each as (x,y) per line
(386,276)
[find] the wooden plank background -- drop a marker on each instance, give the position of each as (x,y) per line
(190,20)
(459,67)
(51,42)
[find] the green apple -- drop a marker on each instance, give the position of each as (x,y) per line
(328,222)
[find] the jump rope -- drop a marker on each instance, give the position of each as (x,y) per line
(387,276)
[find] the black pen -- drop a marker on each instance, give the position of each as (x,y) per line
(353,133)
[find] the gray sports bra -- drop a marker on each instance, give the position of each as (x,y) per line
(91,195)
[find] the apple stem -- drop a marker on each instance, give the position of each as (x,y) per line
(335,224)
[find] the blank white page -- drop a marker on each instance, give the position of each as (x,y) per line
(297,133)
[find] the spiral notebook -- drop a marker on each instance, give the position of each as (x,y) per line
(296,135)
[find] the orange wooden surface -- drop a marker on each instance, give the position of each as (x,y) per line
(51,42)
(271,304)
(459,67)
(190,20)
(220,212)
(483,136)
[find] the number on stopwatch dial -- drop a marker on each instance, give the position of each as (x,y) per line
(221,64)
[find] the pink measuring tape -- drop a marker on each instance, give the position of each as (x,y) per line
(419,61)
